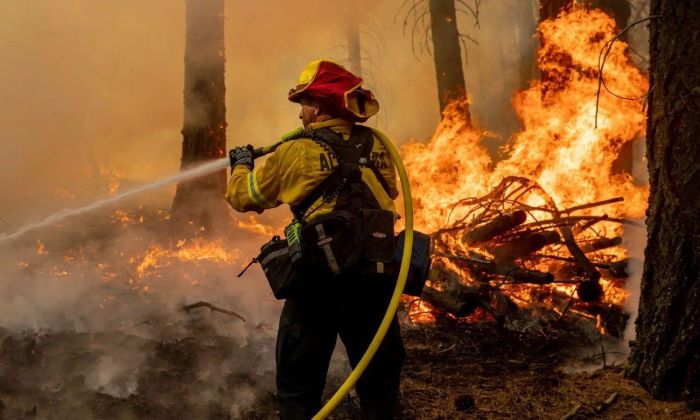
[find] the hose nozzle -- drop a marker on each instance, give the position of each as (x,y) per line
(262,151)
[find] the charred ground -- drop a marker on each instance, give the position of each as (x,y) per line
(453,370)
(123,347)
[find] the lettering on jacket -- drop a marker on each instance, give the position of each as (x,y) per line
(380,159)
(326,162)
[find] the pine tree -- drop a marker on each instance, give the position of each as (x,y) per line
(666,355)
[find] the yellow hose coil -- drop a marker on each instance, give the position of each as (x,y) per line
(398,290)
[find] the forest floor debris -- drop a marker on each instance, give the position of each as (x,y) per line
(453,371)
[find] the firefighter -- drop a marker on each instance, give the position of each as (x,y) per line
(350,303)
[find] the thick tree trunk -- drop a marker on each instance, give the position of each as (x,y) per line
(204,128)
(354,46)
(448,56)
(666,354)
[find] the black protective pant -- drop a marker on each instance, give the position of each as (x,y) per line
(309,326)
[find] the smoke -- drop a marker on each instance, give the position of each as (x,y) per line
(91,278)
(638,37)
(502,63)
(93,91)
(92,101)
(66,213)
(635,240)
(76,300)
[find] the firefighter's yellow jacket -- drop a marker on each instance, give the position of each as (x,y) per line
(297,167)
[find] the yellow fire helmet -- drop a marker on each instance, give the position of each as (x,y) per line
(337,89)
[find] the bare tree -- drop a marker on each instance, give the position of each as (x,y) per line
(666,356)
(204,128)
(434,22)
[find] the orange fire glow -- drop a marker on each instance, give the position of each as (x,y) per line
(40,248)
(254,225)
(195,250)
(558,147)
(114,179)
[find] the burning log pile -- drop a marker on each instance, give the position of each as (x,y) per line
(547,238)
(514,249)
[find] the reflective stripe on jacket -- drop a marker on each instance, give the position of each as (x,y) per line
(296,167)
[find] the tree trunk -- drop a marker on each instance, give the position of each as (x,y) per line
(666,354)
(204,128)
(618,9)
(448,56)
(549,9)
(354,48)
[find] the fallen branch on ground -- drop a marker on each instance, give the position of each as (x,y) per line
(213,308)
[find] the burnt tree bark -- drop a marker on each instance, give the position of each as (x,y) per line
(666,355)
(448,56)
(204,129)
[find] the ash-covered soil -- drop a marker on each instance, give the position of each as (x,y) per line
(190,370)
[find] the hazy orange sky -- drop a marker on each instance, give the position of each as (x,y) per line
(90,87)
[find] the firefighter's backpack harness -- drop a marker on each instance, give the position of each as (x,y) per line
(356,235)
(408,256)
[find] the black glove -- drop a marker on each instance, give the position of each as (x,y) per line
(242,155)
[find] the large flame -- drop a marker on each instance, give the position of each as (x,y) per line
(559,147)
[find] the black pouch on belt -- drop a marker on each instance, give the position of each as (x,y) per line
(333,241)
(283,276)
(379,242)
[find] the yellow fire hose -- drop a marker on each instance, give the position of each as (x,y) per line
(398,290)
(401,282)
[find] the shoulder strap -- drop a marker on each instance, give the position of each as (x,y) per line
(319,191)
(352,153)
(368,145)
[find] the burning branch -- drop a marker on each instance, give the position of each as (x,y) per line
(516,237)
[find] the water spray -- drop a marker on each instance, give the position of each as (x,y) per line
(195,172)
(222,163)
